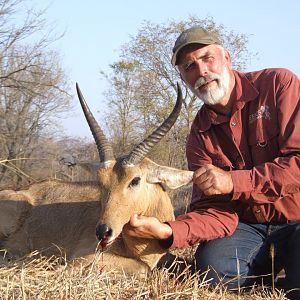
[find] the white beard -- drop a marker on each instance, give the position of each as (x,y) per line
(213,95)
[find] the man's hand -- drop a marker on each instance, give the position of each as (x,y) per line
(212,180)
(147,227)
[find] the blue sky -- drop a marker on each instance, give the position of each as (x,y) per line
(96,29)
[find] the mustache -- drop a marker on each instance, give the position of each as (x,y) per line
(204,79)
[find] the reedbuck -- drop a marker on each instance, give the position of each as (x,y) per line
(55,216)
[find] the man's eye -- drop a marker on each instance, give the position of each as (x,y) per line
(208,58)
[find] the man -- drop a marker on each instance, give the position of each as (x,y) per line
(244,147)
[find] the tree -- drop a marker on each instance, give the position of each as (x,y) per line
(153,82)
(122,123)
(33,87)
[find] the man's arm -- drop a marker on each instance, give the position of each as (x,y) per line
(212,218)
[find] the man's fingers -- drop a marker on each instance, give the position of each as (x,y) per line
(203,174)
(212,180)
(204,184)
(199,172)
(203,180)
(136,220)
(146,227)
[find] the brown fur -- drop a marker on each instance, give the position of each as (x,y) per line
(58,217)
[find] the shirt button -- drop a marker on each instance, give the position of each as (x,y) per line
(233,123)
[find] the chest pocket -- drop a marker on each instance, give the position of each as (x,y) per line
(263,142)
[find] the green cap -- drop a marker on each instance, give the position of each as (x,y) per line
(193,35)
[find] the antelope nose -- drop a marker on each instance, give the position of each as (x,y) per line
(103,231)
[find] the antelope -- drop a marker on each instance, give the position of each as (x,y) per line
(57,217)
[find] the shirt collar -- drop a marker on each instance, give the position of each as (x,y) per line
(245,92)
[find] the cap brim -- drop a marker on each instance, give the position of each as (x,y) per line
(174,56)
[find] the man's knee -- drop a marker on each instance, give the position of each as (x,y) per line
(220,265)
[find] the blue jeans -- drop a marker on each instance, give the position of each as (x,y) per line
(244,259)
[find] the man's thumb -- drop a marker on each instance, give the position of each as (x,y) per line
(134,220)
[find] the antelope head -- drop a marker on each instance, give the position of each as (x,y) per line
(134,184)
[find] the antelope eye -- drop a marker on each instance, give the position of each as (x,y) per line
(135,181)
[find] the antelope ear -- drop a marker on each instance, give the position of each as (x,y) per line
(172,178)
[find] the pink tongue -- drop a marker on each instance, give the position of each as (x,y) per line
(103,243)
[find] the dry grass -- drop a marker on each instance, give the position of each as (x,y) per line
(39,278)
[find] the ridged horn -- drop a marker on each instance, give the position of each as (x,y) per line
(141,150)
(104,147)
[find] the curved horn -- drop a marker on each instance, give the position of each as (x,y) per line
(141,150)
(104,148)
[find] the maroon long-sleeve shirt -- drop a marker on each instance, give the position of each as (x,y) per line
(260,145)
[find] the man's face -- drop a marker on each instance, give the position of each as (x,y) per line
(206,71)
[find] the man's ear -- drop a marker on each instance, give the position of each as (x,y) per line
(228,58)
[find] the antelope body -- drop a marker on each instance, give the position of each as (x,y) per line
(57,217)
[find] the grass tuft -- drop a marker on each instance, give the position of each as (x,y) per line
(39,278)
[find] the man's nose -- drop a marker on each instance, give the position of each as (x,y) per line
(202,68)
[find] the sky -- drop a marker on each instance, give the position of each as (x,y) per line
(95,30)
